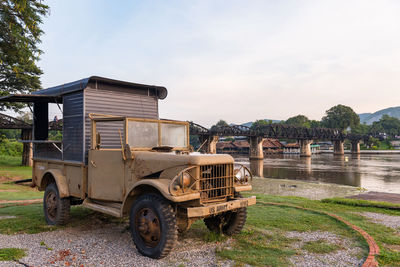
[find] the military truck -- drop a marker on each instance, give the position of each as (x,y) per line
(117,157)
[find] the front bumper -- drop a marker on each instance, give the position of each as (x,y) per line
(212,209)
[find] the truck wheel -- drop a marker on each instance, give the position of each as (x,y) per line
(229,223)
(153,226)
(56,209)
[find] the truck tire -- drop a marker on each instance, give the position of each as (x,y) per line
(56,209)
(153,226)
(229,223)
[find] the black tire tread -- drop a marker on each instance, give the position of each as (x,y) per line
(170,221)
(236,223)
(213,223)
(63,207)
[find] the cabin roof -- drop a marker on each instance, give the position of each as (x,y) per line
(59,90)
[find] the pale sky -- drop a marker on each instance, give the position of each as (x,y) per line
(233,60)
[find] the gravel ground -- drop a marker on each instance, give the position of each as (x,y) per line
(387,220)
(108,245)
(348,256)
(105,244)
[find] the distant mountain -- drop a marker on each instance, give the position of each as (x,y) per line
(363,116)
(248,124)
(369,118)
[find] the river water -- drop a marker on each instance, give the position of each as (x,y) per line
(374,172)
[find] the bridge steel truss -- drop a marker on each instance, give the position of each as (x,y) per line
(278,131)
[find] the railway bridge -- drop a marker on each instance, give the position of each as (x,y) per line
(8,122)
(256,135)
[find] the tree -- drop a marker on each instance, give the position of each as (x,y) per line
(315,124)
(220,123)
(19,38)
(299,120)
(259,123)
(361,128)
(340,117)
(387,124)
(25,116)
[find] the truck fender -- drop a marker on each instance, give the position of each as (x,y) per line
(150,185)
(60,179)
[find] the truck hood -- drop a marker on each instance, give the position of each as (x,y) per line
(147,163)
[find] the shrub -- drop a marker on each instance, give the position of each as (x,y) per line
(10,147)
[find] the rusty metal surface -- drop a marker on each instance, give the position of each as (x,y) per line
(216,182)
(213,209)
(276,130)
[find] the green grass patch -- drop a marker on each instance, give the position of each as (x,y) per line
(214,237)
(10,167)
(259,248)
(362,203)
(11,254)
(30,219)
(320,247)
(10,192)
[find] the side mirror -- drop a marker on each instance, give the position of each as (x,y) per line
(98,140)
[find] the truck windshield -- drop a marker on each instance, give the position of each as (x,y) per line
(149,134)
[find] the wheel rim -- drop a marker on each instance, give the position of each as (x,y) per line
(147,224)
(51,205)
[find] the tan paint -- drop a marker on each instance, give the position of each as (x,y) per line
(220,207)
(162,186)
(61,181)
(74,179)
(242,188)
(106,175)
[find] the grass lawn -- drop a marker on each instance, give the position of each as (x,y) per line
(11,192)
(11,169)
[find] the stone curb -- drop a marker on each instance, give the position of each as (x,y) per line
(373,247)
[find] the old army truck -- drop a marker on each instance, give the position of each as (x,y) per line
(118,158)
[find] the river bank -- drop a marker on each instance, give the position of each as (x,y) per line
(397,151)
(311,190)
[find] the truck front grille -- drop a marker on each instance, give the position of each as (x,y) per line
(216,182)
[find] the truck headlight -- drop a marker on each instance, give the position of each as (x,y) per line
(185,180)
(242,174)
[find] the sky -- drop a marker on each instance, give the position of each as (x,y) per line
(232,60)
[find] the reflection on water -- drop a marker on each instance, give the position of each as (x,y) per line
(374,172)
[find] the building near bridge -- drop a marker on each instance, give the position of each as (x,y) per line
(294,148)
(270,146)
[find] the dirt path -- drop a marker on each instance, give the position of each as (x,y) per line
(30,201)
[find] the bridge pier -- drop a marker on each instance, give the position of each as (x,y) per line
(212,141)
(256,147)
(305,148)
(355,147)
(27,152)
(257,167)
(338,147)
